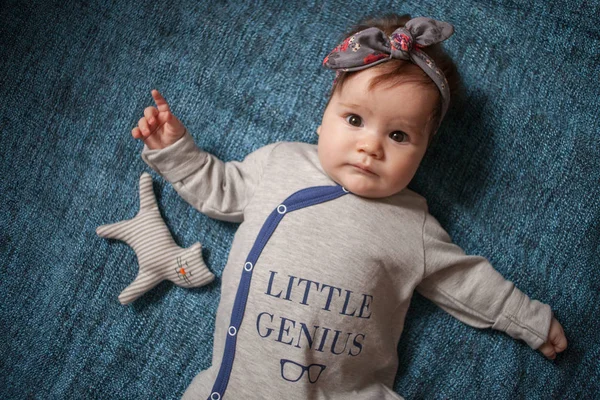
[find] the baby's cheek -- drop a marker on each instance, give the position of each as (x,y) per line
(327,163)
(399,180)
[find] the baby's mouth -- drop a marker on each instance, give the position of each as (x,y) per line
(363,168)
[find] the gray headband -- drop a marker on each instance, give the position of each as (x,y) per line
(372,46)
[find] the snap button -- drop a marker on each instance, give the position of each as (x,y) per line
(248,266)
(215,396)
(281,209)
(345,190)
(232,331)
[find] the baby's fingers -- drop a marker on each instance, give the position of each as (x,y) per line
(547,349)
(160,101)
(561,344)
(143,132)
(151,114)
(144,127)
(136,133)
(559,340)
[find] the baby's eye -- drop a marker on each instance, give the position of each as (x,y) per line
(354,120)
(399,136)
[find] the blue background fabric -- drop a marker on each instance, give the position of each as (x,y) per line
(514,175)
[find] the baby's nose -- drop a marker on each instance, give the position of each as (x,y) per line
(371,146)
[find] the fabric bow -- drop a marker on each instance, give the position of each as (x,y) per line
(372,46)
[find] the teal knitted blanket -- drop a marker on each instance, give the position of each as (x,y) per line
(514,176)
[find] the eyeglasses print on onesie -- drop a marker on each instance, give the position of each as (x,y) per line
(292,371)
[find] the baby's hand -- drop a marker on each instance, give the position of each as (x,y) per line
(557,341)
(158,128)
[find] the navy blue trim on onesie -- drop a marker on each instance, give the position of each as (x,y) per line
(302,198)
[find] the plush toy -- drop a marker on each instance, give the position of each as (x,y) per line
(159,257)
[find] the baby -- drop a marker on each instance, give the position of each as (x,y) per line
(332,244)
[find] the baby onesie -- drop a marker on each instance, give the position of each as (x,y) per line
(319,280)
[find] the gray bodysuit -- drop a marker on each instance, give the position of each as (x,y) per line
(319,280)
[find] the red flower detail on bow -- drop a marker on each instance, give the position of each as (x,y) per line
(346,43)
(340,48)
(404,42)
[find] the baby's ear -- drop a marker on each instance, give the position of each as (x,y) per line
(319,130)
(431,135)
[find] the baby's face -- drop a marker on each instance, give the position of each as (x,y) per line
(371,142)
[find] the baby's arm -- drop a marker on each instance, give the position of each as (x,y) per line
(470,289)
(218,189)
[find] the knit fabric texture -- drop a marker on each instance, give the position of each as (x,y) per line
(513,175)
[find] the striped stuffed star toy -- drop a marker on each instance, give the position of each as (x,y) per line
(159,257)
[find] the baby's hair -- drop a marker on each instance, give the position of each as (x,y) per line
(395,72)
